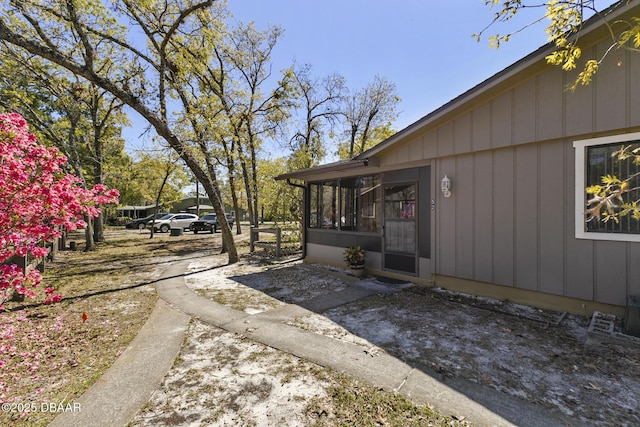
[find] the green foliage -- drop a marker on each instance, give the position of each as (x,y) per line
(354,403)
(144,56)
(632,35)
(280,201)
(144,178)
(564,20)
(354,255)
(318,107)
(76,117)
(378,135)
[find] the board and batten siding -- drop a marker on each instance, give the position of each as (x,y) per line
(510,220)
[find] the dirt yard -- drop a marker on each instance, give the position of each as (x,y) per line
(224,379)
(537,356)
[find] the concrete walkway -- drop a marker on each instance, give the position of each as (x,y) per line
(128,384)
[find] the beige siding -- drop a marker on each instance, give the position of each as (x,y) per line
(416,150)
(525,112)
(579,112)
(549,101)
(610,95)
(503,217)
(430,145)
(610,272)
(526,216)
(403,154)
(579,279)
(501,121)
(504,223)
(510,220)
(481,132)
(464,222)
(633,74)
(445,140)
(462,135)
(446,229)
(552,211)
(633,266)
(482,216)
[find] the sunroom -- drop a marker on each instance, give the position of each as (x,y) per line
(386,213)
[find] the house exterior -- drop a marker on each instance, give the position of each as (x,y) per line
(509,220)
(134,212)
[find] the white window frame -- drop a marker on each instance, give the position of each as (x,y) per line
(580,147)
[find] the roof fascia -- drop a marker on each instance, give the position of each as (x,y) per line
(329,167)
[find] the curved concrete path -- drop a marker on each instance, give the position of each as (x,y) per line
(116,397)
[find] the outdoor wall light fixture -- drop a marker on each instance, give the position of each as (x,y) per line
(445,185)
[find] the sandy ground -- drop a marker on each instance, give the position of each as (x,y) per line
(539,356)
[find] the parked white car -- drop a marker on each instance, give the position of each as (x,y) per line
(169,221)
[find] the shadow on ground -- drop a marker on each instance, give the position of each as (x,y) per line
(492,351)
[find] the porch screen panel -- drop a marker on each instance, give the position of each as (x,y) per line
(359,201)
(329,203)
(349,205)
(400,219)
(369,196)
(314,209)
(323,205)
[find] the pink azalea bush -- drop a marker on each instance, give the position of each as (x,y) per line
(37,200)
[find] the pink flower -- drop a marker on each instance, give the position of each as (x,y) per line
(53,298)
(39,252)
(21,251)
(36,197)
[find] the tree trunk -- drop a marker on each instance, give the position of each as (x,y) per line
(254,178)
(98,228)
(231,168)
(88,235)
(247,187)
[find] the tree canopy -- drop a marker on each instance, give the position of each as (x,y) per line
(564,20)
(205,87)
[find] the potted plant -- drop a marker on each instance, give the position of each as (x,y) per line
(354,256)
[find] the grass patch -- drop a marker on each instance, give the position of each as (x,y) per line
(48,353)
(350,402)
(241,299)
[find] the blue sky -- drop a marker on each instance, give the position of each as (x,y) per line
(424,46)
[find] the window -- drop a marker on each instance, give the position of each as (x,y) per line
(594,159)
(369,197)
(323,205)
(349,204)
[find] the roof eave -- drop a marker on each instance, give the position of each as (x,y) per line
(329,167)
